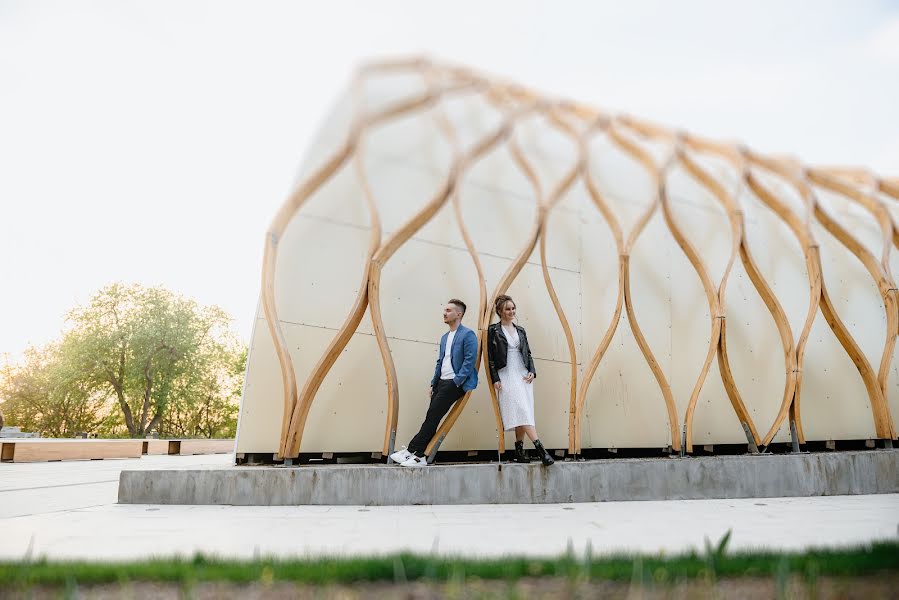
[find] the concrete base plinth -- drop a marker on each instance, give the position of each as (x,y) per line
(762,476)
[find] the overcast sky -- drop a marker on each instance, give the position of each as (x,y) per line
(153,141)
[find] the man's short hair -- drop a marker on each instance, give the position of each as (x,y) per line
(459,304)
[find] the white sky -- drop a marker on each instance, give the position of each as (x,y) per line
(153,141)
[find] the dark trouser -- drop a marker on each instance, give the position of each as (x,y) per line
(445,394)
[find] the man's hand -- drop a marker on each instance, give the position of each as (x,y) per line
(529,378)
(498,385)
(430,392)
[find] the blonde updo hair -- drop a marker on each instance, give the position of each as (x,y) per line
(501,303)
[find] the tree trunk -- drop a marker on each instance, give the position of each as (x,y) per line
(154,423)
(126,410)
(117,385)
(145,410)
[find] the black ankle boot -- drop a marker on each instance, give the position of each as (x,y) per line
(544,455)
(520,455)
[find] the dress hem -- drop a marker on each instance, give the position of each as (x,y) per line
(512,427)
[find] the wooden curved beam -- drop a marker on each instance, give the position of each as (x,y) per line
(864,178)
(800,230)
(567,181)
(372,278)
(830,314)
(738,239)
(456,410)
(506,280)
(449,421)
(894,195)
(483,309)
(400,237)
(788,169)
(655,171)
(450,134)
(792,355)
(349,327)
(514,269)
(797,177)
(715,314)
(269,262)
(780,320)
(600,124)
(890,187)
(879,272)
(297,420)
(460,164)
(508,277)
(290,207)
(714,297)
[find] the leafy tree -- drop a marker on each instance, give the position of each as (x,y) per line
(46,394)
(135,360)
(211,407)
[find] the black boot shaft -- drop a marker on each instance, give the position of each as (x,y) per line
(520,455)
(544,455)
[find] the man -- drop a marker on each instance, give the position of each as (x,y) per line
(455,374)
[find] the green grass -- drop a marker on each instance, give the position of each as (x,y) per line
(714,563)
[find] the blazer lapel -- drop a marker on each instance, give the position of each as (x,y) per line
(456,338)
(457,341)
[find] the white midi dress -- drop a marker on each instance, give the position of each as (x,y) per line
(516,398)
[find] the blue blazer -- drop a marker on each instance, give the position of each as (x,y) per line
(462,355)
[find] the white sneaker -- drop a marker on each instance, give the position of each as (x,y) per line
(401,455)
(415,461)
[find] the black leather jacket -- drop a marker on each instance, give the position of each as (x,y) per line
(498,349)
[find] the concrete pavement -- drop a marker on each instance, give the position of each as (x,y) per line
(69,510)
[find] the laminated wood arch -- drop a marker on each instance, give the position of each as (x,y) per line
(572,350)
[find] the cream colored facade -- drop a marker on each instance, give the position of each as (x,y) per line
(321,258)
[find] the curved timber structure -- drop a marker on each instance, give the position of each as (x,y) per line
(430,181)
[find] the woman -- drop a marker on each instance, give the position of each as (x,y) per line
(512,372)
